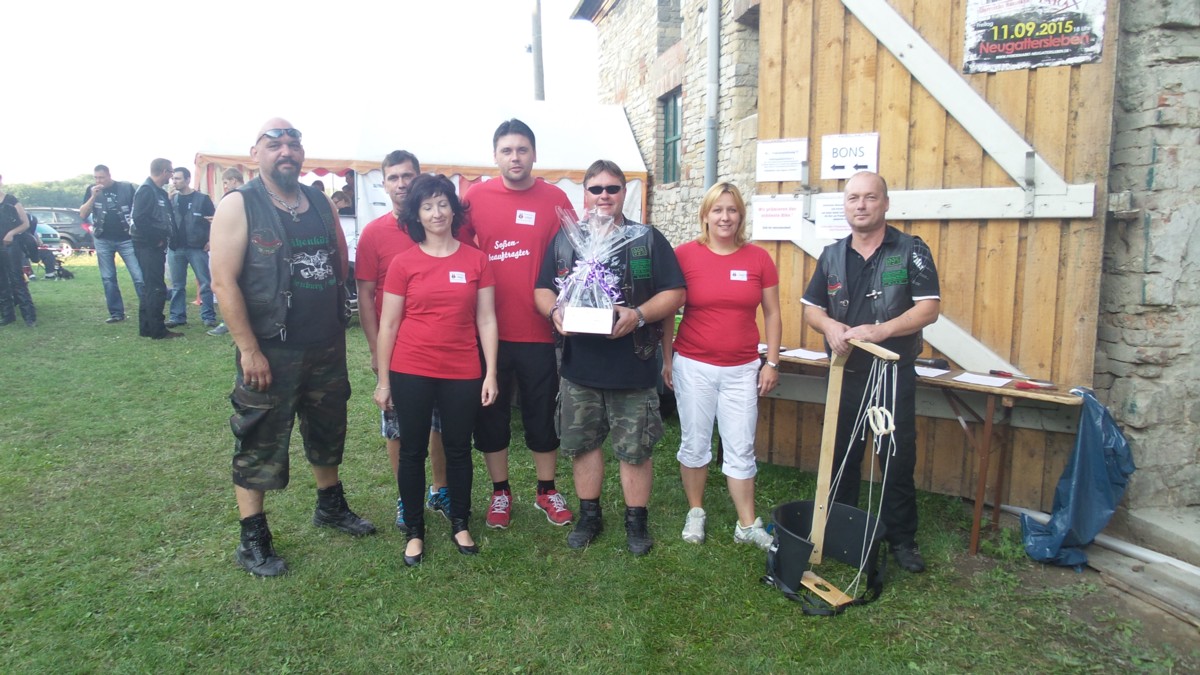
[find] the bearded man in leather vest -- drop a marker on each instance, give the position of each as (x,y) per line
(279,266)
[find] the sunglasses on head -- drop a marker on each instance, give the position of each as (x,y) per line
(610,189)
(279,133)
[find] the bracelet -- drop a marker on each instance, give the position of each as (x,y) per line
(550,316)
(383,388)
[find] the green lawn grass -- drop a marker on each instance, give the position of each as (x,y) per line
(119,526)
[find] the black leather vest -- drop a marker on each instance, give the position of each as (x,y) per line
(266,278)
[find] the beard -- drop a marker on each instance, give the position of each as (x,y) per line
(286,181)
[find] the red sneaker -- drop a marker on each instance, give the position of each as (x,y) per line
(500,512)
(555,507)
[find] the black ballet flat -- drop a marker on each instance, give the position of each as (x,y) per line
(473,549)
(414,560)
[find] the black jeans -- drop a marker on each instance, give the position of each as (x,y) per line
(413,397)
(899,490)
(13,290)
(152,258)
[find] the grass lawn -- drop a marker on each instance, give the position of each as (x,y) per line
(119,526)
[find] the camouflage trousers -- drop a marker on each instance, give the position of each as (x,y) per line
(629,418)
(310,383)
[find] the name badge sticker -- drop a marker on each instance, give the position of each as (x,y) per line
(525,217)
(458,277)
(738,275)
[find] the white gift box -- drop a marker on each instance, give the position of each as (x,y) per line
(588,320)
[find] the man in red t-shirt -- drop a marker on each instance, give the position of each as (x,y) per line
(513,219)
(381,240)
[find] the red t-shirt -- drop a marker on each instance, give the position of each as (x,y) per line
(514,228)
(380,241)
(437,330)
(723,295)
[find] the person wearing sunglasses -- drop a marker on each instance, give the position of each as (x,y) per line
(512,219)
(279,265)
(610,383)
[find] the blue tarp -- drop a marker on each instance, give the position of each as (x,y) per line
(1088,492)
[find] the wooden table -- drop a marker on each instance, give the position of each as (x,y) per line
(981,440)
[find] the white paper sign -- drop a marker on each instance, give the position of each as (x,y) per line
(587,320)
(829,215)
(781,160)
(776,219)
(844,155)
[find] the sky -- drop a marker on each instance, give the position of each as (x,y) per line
(121,83)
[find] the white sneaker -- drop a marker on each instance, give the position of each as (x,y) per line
(754,534)
(693,526)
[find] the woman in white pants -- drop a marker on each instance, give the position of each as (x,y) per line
(715,371)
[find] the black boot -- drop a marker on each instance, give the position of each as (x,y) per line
(255,552)
(333,511)
(637,537)
(589,526)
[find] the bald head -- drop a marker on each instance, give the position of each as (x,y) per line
(273,123)
(866,202)
(869,179)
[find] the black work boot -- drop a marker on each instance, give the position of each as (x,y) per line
(255,553)
(909,557)
(333,511)
(589,526)
(637,537)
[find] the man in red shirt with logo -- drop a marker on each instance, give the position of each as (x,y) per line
(513,219)
(381,240)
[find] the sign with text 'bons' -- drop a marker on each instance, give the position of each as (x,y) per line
(843,155)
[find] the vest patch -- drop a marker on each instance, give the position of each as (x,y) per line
(832,284)
(894,260)
(265,247)
(894,277)
(639,268)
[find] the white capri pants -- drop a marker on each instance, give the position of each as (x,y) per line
(726,394)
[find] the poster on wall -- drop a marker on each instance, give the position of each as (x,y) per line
(1017,34)
(776,217)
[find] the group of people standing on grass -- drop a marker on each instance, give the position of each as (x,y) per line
(458,300)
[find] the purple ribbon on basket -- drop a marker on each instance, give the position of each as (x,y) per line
(593,274)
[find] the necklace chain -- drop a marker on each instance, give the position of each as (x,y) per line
(291,209)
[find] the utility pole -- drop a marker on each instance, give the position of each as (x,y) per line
(539,75)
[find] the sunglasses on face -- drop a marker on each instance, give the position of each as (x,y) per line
(279,133)
(610,189)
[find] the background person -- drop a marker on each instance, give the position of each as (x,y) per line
(715,371)
(14,292)
(153,226)
(847,298)
(437,295)
(110,205)
(189,247)
(231,179)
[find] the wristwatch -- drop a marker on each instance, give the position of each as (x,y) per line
(773,365)
(641,317)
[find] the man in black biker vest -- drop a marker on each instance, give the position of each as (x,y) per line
(877,285)
(279,266)
(609,382)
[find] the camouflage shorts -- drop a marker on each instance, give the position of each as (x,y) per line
(310,383)
(629,418)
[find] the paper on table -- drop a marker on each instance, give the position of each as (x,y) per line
(922,371)
(806,354)
(972,378)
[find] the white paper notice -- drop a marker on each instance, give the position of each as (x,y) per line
(776,219)
(805,354)
(587,320)
(781,160)
(922,371)
(985,380)
(843,155)
(829,215)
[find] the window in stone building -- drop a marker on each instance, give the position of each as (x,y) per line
(670,139)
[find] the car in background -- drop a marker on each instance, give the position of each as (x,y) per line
(48,237)
(71,229)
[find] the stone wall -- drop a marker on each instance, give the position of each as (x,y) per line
(638,67)
(1148,349)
